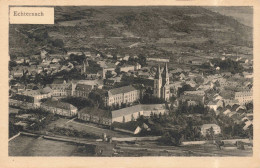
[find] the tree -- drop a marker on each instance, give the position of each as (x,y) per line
(173,137)
(211,133)
(132,117)
(185,87)
(172,98)
(109,74)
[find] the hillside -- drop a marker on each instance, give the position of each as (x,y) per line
(153,30)
(241,14)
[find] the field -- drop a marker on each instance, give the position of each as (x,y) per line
(84,126)
(31,146)
(152,149)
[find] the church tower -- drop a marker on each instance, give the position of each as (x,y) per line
(85,65)
(165,84)
(157,83)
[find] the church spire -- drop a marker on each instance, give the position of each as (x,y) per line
(158,73)
(165,73)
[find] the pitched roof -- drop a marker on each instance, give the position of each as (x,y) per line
(46,90)
(22,98)
(136,108)
(58,81)
(83,87)
(58,104)
(96,112)
(124,89)
(207,126)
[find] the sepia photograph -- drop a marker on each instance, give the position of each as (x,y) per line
(132,81)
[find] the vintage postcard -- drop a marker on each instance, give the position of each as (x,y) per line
(130,84)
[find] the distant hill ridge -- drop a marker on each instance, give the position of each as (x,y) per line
(180,23)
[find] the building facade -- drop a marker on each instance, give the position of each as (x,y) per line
(61,89)
(60,108)
(133,112)
(244,97)
(100,116)
(126,95)
(82,90)
(205,129)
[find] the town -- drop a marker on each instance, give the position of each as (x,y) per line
(131,104)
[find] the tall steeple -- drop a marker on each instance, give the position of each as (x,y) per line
(157,83)
(165,84)
(165,73)
(158,73)
(85,65)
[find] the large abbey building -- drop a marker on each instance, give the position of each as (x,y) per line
(161,83)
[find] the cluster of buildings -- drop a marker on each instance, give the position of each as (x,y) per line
(39,64)
(222,92)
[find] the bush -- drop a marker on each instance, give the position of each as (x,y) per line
(73,133)
(171,138)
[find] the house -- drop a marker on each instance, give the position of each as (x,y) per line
(191,83)
(109,56)
(244,97)
(191,103)
(55,66)
(197,92)
(60,108)
(248,75)
(205,129)
(29,98)
(217,97)
(127,68)
(182,76)
(92,76)
(126,57)
(226,112)
(21,101)
(96,84)
(74,53)
(215,104)
(158,59)
(95,115)
(55,60)
(196,98)
(87,53)
(126,95)
(230,102)
(82,90)
(17,74)
(60,88)
(43,54)
(19,60)
(137,66)
(175,86)
(197,62)
(247,124)
(108,68)
(133,112)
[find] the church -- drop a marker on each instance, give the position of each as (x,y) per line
(85,65)
(161,83)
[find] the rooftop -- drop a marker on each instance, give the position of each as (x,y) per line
(124,89)
(136,108)
(83,87)
(96,112)
(58,104)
